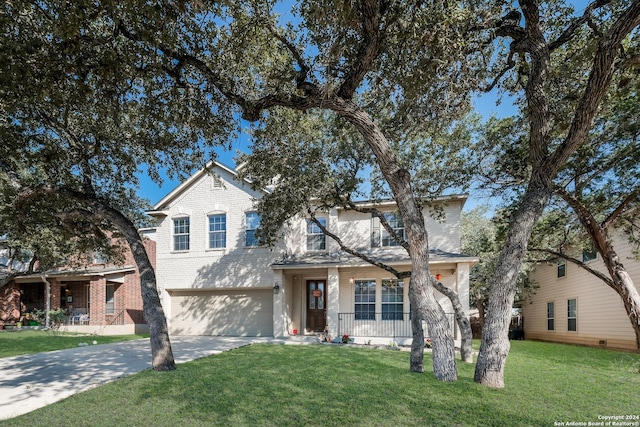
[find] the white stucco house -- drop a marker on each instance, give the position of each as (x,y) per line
(215,279)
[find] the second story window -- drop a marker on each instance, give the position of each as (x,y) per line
(181,234)
(381,237)
(316,240)
(562,268)
(217,231)
(252,222)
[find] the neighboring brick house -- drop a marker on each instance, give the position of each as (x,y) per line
(215,279)
(100,298)
(573,306)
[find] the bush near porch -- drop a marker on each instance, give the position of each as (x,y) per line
(344,385)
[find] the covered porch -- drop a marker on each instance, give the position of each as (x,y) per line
(342,295)
(90,301)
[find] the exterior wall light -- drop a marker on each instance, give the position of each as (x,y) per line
(276,288)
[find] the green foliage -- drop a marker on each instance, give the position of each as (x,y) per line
(480,236)
(357,386)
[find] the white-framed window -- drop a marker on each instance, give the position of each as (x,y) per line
(572,314)
(365,299)
(181,234)
(252,223)
(551,316)
(392,299)
(316,240)
(380,236)
(217,231)
(589,254)
(562,268)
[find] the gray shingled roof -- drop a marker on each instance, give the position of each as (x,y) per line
(334,259)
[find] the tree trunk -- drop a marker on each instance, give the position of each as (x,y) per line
(494,346)
(421,287)
(630,298)
(462,319)
(621,281)
(161,352)
(480,306)
(416,363)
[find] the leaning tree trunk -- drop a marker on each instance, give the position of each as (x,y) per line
(462,319)
(621,280)
(494,346)
(161,352)
(630,298)
(421,291)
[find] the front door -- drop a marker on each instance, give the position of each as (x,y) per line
(316,305)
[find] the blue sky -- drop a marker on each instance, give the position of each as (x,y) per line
(485,105)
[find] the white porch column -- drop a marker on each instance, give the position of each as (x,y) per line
(279,327)
(462,284)
(333,300)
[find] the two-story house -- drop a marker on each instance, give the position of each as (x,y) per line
(215,278)
(573,306)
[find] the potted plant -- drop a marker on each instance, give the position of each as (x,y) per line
(345,339)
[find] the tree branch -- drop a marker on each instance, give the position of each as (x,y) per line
(603,67)
(600,275)
(621,207)
(368,52)
(398,274)
(570,31)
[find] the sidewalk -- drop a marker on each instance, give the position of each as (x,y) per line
(32,381)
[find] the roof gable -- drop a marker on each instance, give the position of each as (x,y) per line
(187,184)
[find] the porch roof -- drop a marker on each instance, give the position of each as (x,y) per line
(342,259)
(80,273)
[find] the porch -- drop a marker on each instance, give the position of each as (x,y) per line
(343,296)
(396,327)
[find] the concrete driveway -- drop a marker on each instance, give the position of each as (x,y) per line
(32,381)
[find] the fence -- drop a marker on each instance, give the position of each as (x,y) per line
(379,327)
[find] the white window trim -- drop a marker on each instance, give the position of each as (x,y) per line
(376,296)
(382,303)
(207,232)
(555,324)
(244,228)
(576,318)
(306,234)
(173,233)
(560,262)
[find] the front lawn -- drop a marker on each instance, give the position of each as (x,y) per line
(15,343)
(278,385)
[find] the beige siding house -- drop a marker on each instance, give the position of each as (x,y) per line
(573,306)
(215,279)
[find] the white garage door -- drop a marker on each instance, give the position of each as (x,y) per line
(226,313)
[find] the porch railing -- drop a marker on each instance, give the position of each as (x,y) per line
(118,319)
(396,326)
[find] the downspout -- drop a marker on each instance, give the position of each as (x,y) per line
(47,299)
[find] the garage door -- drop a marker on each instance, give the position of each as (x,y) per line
(226,313)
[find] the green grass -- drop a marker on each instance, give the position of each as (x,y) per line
(15,343)
(332,385)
